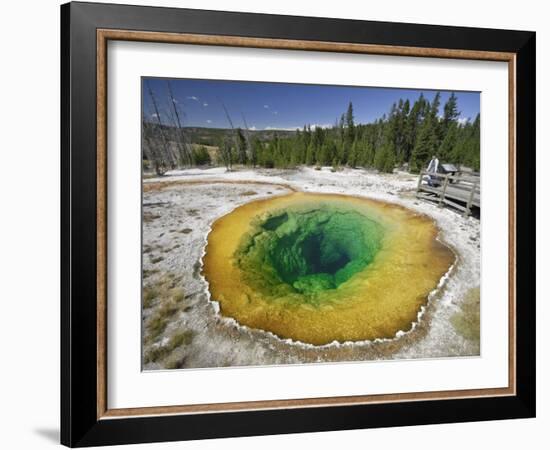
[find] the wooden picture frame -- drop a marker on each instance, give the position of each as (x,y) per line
(86,418)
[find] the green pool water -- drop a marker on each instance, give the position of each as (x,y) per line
(308,250)
(319,268)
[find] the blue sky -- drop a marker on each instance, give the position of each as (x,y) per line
(283,105)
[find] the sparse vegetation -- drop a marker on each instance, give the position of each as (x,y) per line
(158,322)
(182,338)
(149,294)
(177,363)
(167,298)
(201,156)
(178,294)
(148,272)
(410,133)
(159,352)
(156,326)
(466,321)
(149,217)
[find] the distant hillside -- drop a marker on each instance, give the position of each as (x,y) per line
(213,136)
(411,134)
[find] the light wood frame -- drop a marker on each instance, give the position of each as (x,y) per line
(86,418)
(105,35)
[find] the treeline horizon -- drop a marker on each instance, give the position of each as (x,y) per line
(409,134)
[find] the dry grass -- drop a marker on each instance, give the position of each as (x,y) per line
(149,295)
(160,352)
(147,273)
(182,338)
(177,363)
(160,318)
(167,297)
(169,249)
(148,217)
(177,294)
(466,321)
(161,185)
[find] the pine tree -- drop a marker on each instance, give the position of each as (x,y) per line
(310,155)
(450,111)
(353,155)
(380,158)
(389,162)
(405,134)
(368,159)
(341,127)
(425,145)
(256,149)
(434,116)
(401,130)
(350,125)
(449,142)
(413,123)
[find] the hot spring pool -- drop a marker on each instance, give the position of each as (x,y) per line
(318,268)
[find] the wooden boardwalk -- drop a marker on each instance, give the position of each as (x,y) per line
(461,192)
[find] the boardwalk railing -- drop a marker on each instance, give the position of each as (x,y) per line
(457,191)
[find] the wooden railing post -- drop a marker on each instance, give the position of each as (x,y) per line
(443,191)
(419,182)
(470,200)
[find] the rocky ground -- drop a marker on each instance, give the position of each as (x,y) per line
(182,327)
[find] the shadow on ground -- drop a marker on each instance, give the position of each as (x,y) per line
(50,434)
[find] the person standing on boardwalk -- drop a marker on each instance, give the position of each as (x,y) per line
(432,168)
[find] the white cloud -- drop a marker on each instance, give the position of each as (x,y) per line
(275,112)
(298,127)
(266,106)
(281,128)
(252,128)
(205,104)
(192,97)
(320,125)
(154,115)
(463,120)
(208,121)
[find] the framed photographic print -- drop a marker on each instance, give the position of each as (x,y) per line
(276,224)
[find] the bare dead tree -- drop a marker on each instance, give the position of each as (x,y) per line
(184,147)
(151,150)
(226,153)
(249,148)
(241,146)
(235,133)
(172,140)
(167,155)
